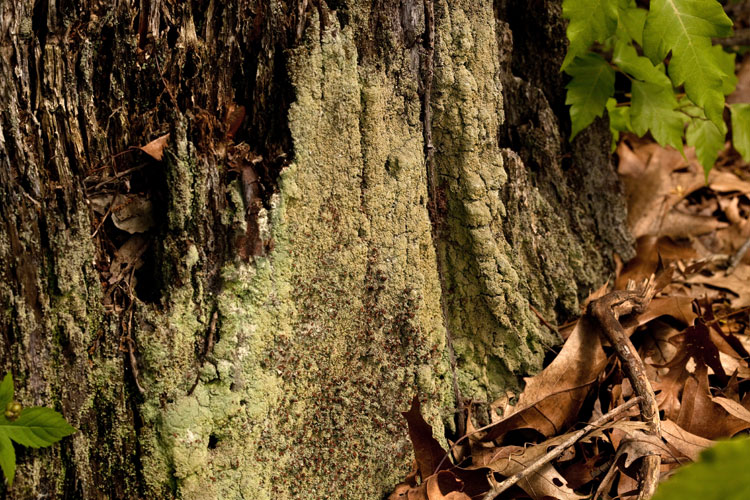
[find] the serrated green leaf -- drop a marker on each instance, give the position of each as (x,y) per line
(7,459)
(631,19)
(707,139)
(720,474)
(685,28)
(6,391)
(619,120)
(741,129)
(590,21)
(592,84)
(725,60)
(627,60)
(653,108)
(36,427)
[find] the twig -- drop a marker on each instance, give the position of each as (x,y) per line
(546,323)
(607,311)
(559,449)
(117,176)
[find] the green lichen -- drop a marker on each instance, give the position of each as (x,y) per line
(324,341)
(496,336)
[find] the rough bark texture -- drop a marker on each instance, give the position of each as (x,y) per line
(348,262)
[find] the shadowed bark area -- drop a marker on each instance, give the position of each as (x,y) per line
(246,315)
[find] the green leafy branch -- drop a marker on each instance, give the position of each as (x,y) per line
(678,79)
(34,427)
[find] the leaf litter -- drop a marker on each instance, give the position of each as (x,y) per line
(691,341)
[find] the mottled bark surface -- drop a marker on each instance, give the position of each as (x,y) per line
(307,262)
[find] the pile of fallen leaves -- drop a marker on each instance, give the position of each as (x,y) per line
(577,430)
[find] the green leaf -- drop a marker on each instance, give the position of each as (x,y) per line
(7,458)
(592,84)
(590,21)
(36,427)
(619,120)
(627,60)
(741,129)
(685,28)
(653,109)
(631,20)
(720,474)
(707,139)
(725,60)
(6,391)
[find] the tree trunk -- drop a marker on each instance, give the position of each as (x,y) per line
(358,201)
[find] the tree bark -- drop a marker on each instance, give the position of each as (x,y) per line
(358,201)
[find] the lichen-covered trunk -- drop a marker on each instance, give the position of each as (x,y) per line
(357,201)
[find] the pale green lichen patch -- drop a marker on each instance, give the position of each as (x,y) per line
(496,336)
(323,342)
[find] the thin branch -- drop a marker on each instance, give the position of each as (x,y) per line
(607,311)
(560,449)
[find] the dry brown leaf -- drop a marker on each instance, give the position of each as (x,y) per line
(733,408)
(427,451)
(101,203)
(678,307)
(551,400)
(133,213)
(738,283)
(689,445)
(702,416)
(649,249)
(441,486)
(653,191)
(127,257)
(155,148)
(682,225)
(546,482)
(637,445)
(727,182)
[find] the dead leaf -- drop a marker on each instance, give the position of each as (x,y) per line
(653,190)
(128,257)
(733,408)
(546,482)
(551,400)
(155,148)
(688,444)
(101,203)
(638,445)
(738,283)
(441,486)
(683,225)
(726,182)
(702,416)
(427,450)
(133,213)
